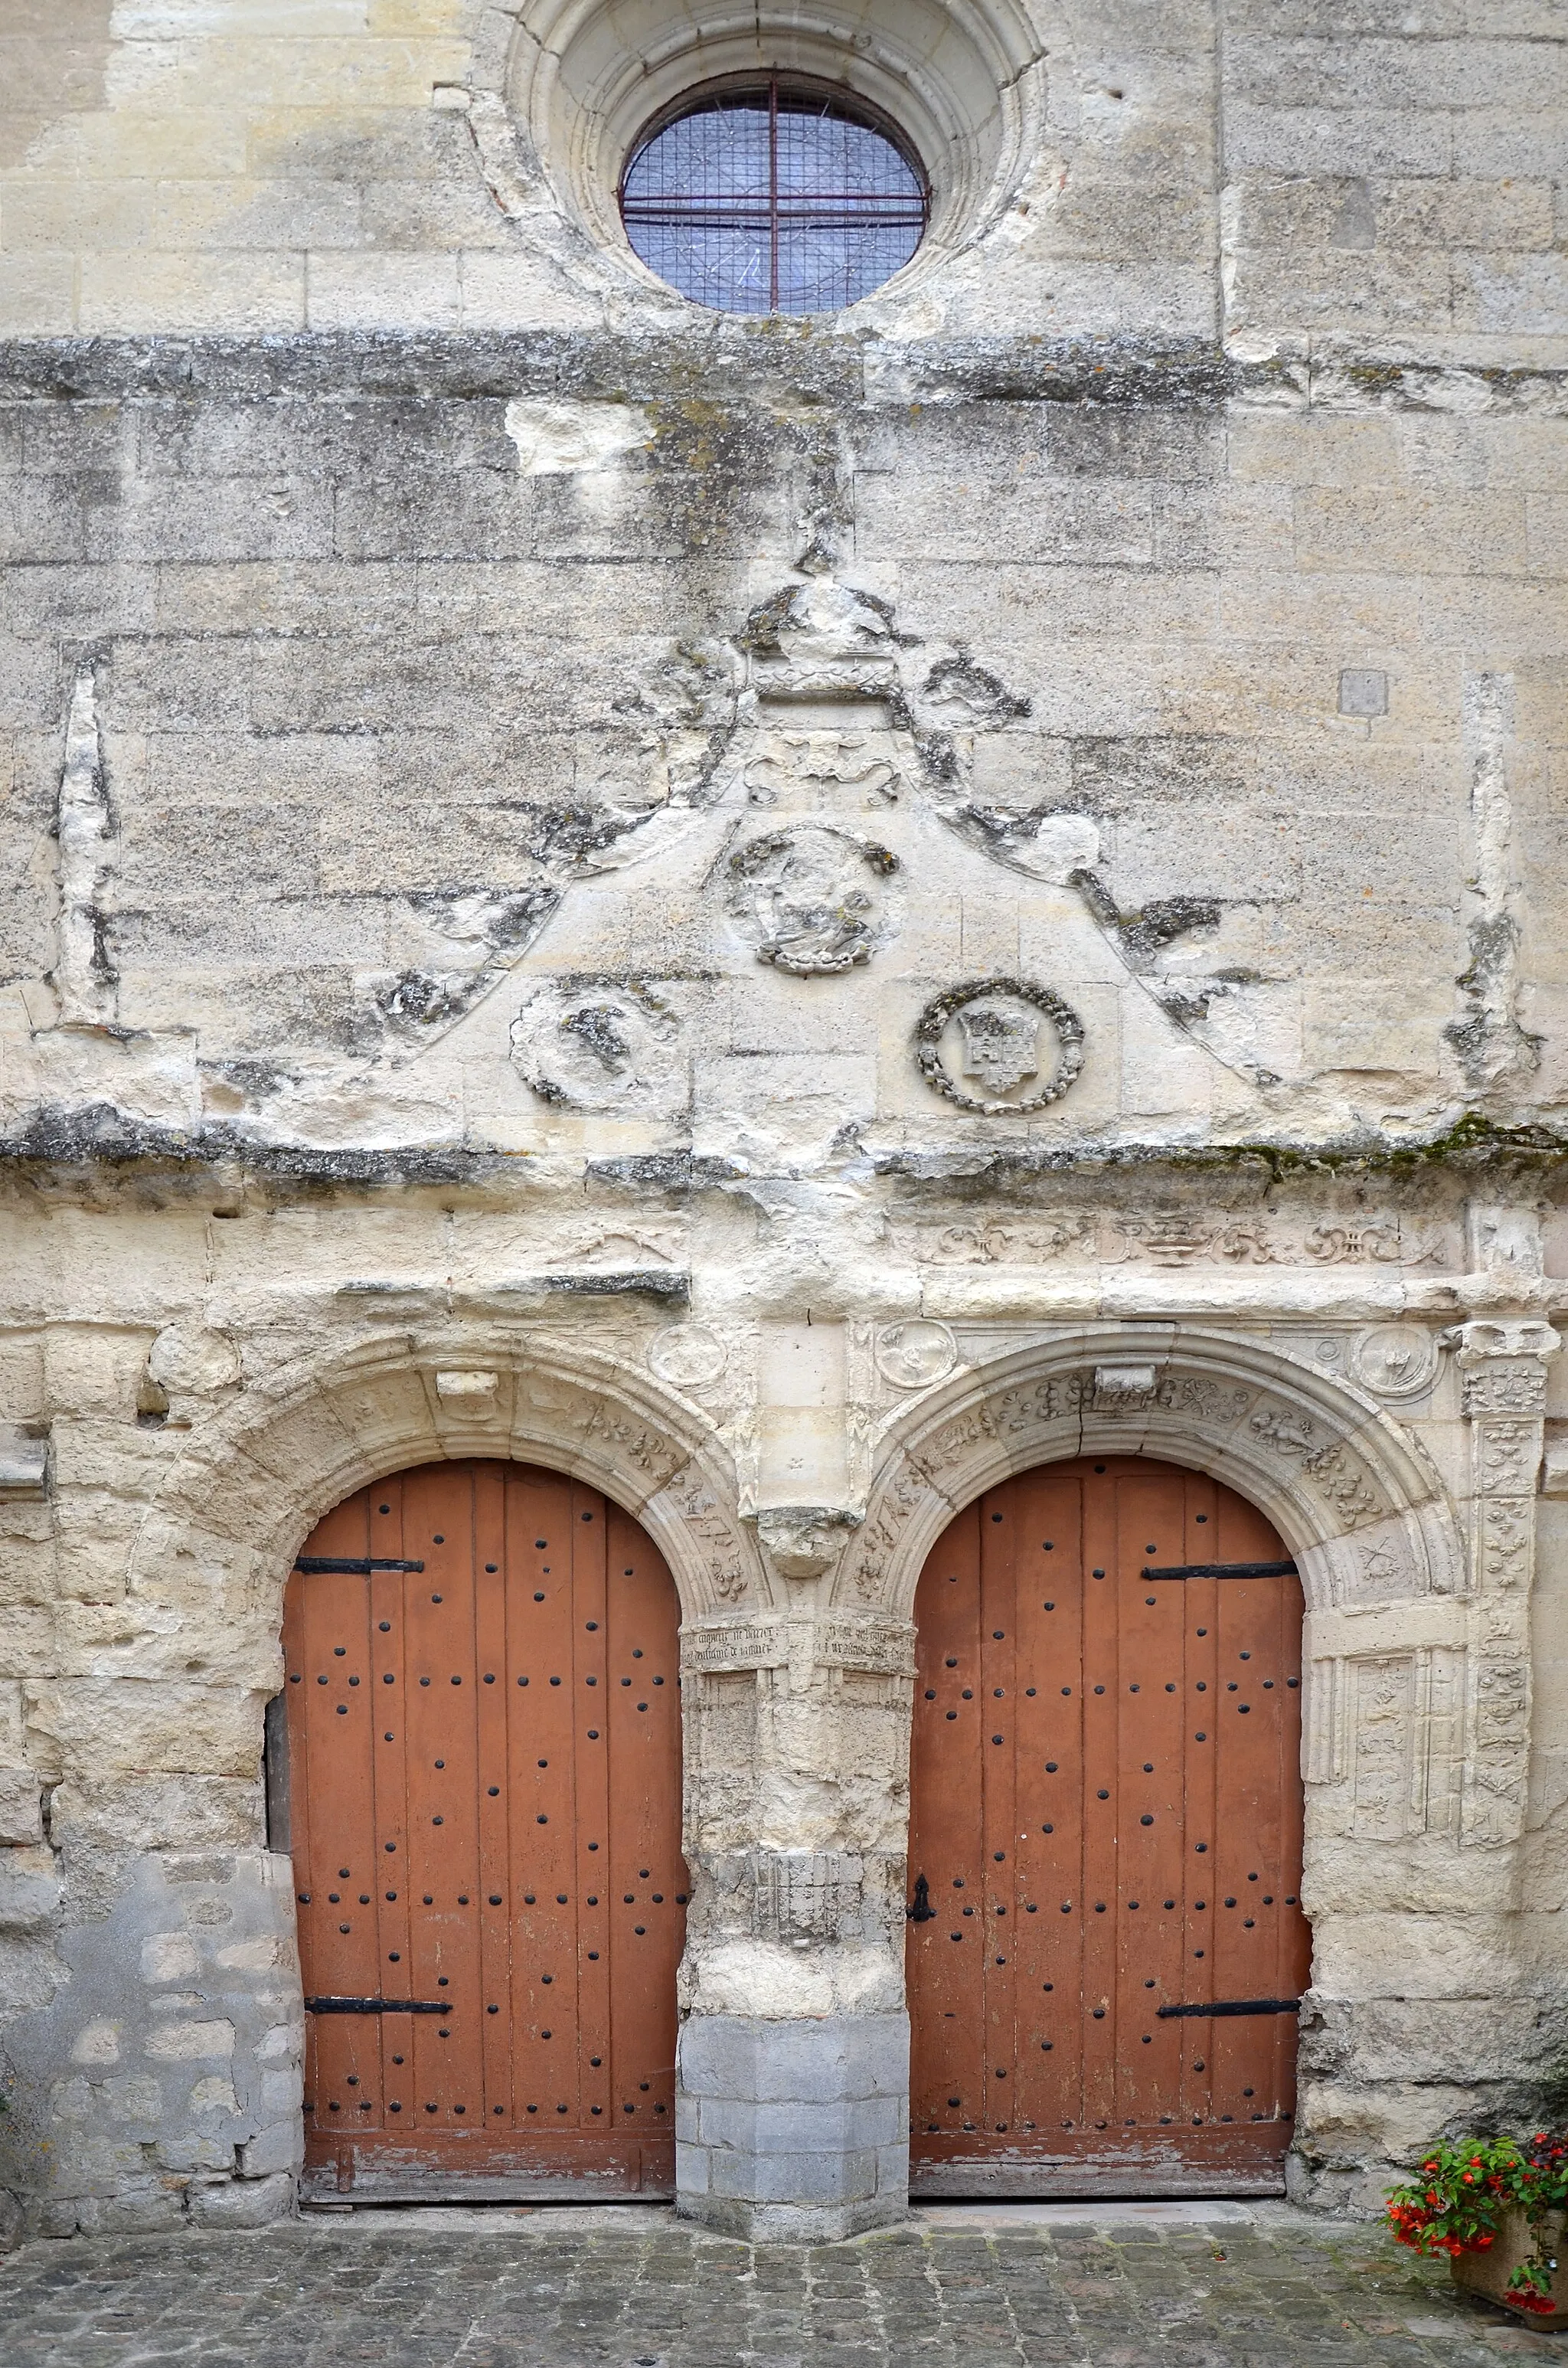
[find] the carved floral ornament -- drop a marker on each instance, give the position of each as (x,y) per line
(1355,1494)
(328,1426)
(1172,1238)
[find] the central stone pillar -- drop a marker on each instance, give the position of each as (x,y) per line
(794,2064)
(793,2127)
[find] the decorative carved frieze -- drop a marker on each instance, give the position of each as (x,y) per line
(1505,1385)
(1390,1728)
(1497,1762)
(1177,1238)
(1348,1476)
(722,1545)
(659,1457)
(799,1896)
(1334,1471)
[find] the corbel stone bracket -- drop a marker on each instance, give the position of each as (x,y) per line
(1503,1364)
(800,1540)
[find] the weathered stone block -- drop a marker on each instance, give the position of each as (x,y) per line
(30,1891)
(21,1807)
(249,2203)
(133,1724)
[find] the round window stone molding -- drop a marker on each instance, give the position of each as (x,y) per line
(962,80)
(938,1014)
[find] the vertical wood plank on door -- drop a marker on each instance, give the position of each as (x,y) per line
(1085,1782)
(460,1744)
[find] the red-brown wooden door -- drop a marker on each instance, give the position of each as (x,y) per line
(483,1765)
(1106,1813)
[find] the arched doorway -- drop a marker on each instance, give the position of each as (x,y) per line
(1106,1938)
(482,1772)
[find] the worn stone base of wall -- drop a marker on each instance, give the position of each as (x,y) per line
(795,2130)
(161,2085)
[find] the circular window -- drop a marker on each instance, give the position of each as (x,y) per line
(773,196)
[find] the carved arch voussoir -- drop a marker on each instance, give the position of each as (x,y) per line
(250,1486)
(1357,1500)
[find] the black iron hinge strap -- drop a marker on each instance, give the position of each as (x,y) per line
(376,2005)
(359,1569)
(1223,1570)
(1233,2005)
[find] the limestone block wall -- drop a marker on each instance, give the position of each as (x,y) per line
(792,916)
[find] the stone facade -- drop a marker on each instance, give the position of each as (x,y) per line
(793,919)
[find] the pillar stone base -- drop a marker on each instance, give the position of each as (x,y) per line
(796,2133)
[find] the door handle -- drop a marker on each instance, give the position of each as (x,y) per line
(920,1910)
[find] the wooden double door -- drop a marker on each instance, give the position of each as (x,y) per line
(1106,1938)
(482,1763)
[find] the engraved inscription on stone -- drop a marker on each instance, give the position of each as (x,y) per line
(813,899)
(1000,1045)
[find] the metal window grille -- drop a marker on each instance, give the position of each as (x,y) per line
(773,199)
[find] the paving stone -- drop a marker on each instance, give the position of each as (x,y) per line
(512,2291)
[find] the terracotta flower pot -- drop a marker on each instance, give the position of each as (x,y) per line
(1487,2274)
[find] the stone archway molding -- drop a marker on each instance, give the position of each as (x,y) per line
(1359,1502)
(1416,1668)
(252,1479)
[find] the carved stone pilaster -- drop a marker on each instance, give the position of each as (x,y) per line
(1503,1364)
(802,1896)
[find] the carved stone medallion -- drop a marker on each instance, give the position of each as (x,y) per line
(1395,1360)
(915,1353)
(687,1356)
(596,1044)
(810,897)
(1000,1045)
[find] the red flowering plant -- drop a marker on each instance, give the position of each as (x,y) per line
(1455,2203)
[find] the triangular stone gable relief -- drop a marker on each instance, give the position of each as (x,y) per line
(758,953)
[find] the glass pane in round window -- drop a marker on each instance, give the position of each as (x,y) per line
(773,199)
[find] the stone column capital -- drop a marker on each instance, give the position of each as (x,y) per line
(1503,1362)
(1488,1337)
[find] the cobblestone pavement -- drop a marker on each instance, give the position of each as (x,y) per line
(634,2289)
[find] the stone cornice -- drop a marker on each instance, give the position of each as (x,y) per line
(753,364)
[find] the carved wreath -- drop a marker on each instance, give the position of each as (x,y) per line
(934,1021)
